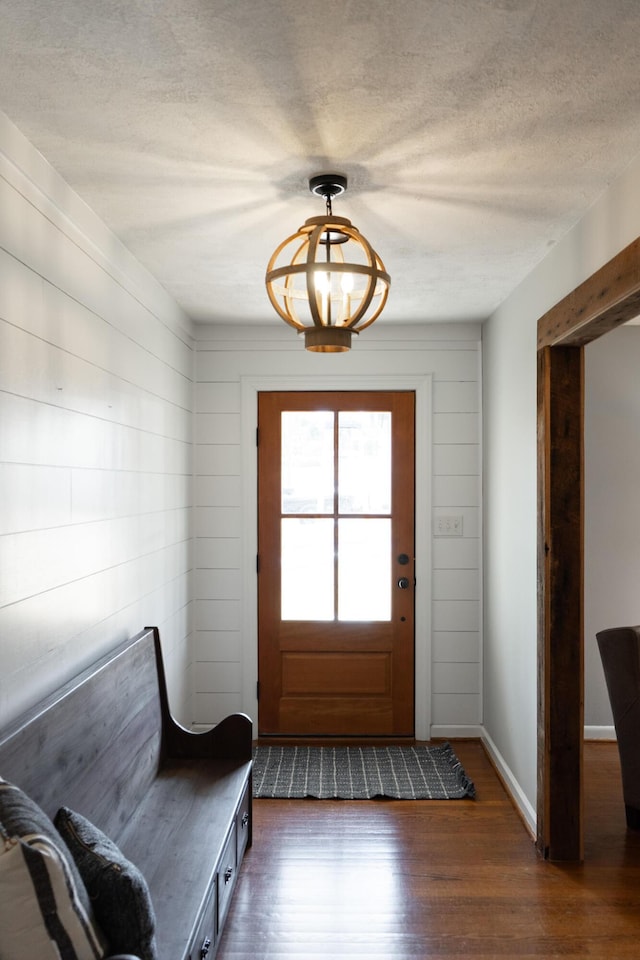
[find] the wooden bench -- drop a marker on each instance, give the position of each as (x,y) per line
(177,803)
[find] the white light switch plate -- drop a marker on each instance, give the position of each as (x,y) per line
(448,527)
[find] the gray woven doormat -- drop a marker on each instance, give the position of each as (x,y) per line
(360,773)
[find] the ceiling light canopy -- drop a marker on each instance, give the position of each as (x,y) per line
(326,280)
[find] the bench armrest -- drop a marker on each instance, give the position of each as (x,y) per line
(231,739)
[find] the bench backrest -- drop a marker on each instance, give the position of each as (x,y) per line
(95,745)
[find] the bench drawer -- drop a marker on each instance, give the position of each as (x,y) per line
(227,872)
(204,943)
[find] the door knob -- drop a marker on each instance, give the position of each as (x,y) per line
(403,583)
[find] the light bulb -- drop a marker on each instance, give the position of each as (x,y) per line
(322,282)
(346,282)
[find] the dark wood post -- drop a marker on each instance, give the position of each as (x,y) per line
(560,602)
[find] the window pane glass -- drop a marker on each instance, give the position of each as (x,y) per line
(364,569)
(364,462)
(307,569)
(307,461)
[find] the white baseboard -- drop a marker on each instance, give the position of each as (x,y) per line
(511,785)
(445,731)
(600,733)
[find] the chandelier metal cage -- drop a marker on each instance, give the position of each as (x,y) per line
(326,280)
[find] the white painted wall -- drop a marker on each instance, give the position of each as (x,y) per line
(96,407)
(232,363)
(509,445)
(612,504)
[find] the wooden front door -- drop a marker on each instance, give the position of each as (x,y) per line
(336,563)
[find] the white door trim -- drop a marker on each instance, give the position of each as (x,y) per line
(249,389)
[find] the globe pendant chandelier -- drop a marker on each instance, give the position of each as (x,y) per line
(326,280)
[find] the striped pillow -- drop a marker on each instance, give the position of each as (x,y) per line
(44,909)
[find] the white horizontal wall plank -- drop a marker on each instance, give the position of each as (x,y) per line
(223,522)
(42,434)
(456,459)
(455,709)
(456,553)
(456,647)
(218,614)
(454,396)
(456,615)
(456,678)
(106,494)
(455,428)
(221,677)
(217,428)
(456,491)
(225,364)
(456,585)
(34,497)
(218,584)
(217,552)
(218,491)
(218,397)
(42,560)
(218,645)
(218,459)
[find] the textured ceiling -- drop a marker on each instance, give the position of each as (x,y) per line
(474,133)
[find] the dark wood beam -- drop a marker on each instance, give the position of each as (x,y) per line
(608,298)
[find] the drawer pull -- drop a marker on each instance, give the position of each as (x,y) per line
(228,874)
(245,819)
(204,949)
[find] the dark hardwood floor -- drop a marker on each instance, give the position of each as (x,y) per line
(444,879)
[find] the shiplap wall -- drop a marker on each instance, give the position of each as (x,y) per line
(96,418)
(227,359)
